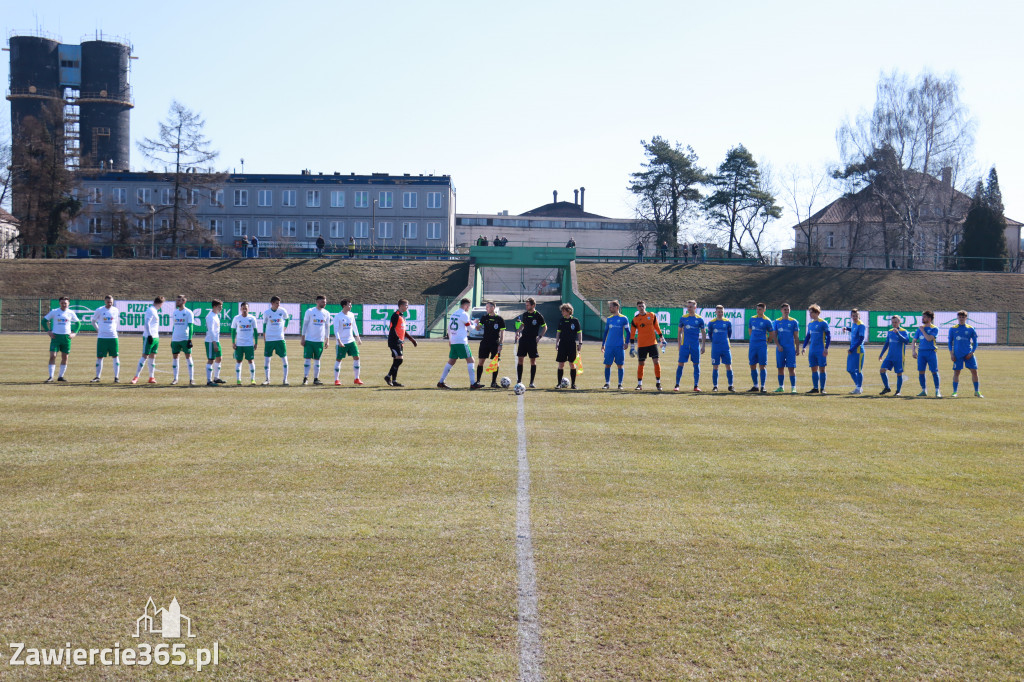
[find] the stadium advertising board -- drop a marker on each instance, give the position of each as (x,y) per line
(839,323)
(984,324)
(798,315)
(377,317)
(334,309)
(668,318)
(133,313)
(294,325)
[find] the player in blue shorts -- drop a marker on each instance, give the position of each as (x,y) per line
(896,340)
(787,347)
(924,352)
(963,342)
(818,337)
(614,342)
(757,350)
(720,331)
(855,355)
(692,341)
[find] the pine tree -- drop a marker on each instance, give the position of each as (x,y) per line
(984,242)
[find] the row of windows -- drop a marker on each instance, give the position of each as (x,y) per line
(520,222)
(360,229)
(265,197)
(941,244)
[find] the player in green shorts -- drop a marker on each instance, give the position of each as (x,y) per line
(63,325)
(212,343)
(458,339)
(244,337)
(316,326)
(347,335)
(274,322)
(105,319)
(183,322)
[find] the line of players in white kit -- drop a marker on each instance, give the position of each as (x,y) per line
(641,335)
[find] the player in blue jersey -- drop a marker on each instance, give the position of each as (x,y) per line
(787,347)
(855,355)
(963,342)
(924,352)
(692,341)
(614,342)
(761,335)
(896,341)
(818,337)
(720,331)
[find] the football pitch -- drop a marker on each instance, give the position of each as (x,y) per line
(370,532)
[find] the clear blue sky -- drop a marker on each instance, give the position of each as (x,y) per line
(514,100)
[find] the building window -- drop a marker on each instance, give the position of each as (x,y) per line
(165,224)
(264,228)
(241,197)
(361,229)
(95,195)
(409,199)
(265,197)
(846,241)
(385,230)
(433,200)
(433,230)
(216,227)
(217,197)
(288,197)
(385,200)
(192,197)
(337,229)
(95,225)
(241,226)
(338,199)
(362,199)
(313,198)
(142,196)
(142,224)
(166,197)
(287,228)
(831,240)
(409,230)
(120,195)
(312,228)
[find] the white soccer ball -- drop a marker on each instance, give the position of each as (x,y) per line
(565,382)
(519,389)
(505,382)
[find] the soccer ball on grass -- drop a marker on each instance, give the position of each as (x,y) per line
(565,382)
(519,389)
(505,382)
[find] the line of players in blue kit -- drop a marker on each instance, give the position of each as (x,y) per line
(642,335)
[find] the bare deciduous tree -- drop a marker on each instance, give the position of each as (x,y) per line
(803,190)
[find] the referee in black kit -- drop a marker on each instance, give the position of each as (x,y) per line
(530,330)
(490,346)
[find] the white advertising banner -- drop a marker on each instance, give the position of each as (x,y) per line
(734,315)
(839,323)
(294,325)
(135,313)
(376,319)
(984,324)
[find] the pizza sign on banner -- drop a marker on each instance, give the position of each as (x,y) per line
(839,323)
(376,319)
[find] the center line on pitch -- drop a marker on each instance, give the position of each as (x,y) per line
(530,654)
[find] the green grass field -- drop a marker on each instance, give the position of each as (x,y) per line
(369,533)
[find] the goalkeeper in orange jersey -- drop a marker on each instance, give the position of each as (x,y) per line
(645,333)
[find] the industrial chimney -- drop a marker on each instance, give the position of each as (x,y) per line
(576,197)
(582,191)
(555,193)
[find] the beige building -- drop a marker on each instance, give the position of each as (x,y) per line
(8,234)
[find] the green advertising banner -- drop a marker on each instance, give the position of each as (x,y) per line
(881,321)
(133,313)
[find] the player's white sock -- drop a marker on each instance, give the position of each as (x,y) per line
(174,368)
(63,368)
(355,367)
(252,371)
(472,373)
(152,367)
(99,366)
(266,368)
(52,370)
(238,371)
(209,372)
(305,369)
(142,363)
(117,367)
(191,369)
(316,369)
(284,369)
(337,370)
(216,370)
(444,372)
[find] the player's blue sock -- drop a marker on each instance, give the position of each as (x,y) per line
(821,379)
(782,380)
(921,377)
(885,379)
(792,380)
(728,375)
(899,382)
(696,374)
(608,374)
(935,378)
(764,376)
(753,376)
(955,384)
(976,389)
(814,380)
(714,377)
(621,371)
(679,374)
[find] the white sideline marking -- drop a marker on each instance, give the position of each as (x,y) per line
(530,655)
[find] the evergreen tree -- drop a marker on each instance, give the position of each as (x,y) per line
(666,188)
(742,202)
(984,240)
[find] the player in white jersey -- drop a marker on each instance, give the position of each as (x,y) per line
(316,325)
(105,319)
(212,343)
(244,338)
(64,324)
(182,322)
(150,340)
(274,322)
(347,335)
(459,323)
